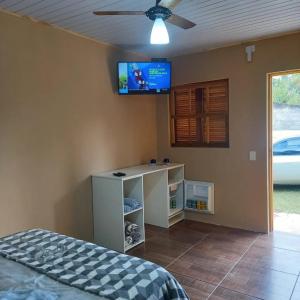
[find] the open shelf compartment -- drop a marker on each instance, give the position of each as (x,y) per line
(175,198)
(175,175)
(137,218)
(133,195)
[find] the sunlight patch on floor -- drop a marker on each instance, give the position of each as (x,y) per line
(286,222)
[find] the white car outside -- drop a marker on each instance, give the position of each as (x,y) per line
(286,157)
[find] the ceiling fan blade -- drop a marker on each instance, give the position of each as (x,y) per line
(170,4)
(180,22)
(119,13)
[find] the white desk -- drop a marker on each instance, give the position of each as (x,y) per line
(149,185)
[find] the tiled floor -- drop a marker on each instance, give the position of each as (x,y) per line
(217,263)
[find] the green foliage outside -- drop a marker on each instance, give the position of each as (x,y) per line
(286,89)
(287,199)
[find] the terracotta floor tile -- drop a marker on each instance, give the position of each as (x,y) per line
(209,268)
(196,289)
(225,294)
(153,231)
(280,240)
(160,250)
(221,232)
(224,248)
(236,236)
(201,255)
(177,233)
(202,227)
(260,282)
(273,258)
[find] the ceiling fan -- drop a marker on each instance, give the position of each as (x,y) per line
(159,13)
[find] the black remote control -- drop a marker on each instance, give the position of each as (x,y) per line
(119,174)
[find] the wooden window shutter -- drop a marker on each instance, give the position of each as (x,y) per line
(199,114)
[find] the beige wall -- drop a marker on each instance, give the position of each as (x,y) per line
(59,121)
(240,185)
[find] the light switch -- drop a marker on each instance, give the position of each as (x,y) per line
(252,155)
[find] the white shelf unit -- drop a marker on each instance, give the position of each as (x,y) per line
(108,210)
(199,196)
(136,217)
(133,188)
(133,211)
(147,184)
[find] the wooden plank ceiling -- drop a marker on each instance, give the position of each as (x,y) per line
(219,22)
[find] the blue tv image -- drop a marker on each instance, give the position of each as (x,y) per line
(144,77)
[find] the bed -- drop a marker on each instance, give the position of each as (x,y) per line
(40,264)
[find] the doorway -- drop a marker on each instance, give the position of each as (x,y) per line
(284,99)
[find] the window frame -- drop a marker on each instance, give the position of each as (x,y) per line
(202,115)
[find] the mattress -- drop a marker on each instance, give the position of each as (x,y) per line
(46,265)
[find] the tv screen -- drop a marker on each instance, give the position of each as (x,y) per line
(144,77)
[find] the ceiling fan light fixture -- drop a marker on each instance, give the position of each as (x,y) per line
(159,33)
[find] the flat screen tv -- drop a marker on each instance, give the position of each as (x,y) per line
(144,77)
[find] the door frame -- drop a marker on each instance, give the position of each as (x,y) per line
(270,141)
